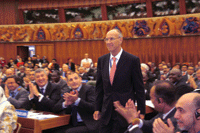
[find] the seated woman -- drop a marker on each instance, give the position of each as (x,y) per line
(8,116)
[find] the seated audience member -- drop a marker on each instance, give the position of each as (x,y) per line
(21,72)
(10,63)
(147,85)
(17,59)
(2,61)
(89,70)
(195,82)
(162,96)
(48,73)
(30,62)
(53,65)
(20,63)
(177,66)
(70,64)
(187,116)
(145,68)
(9,72)
(14,92)
(30,78)
(80,104)
(8,116)
(44,60)
(64,71)
(55,78)
(39,61)
(176,78)
(165,75)
(83,74)
(44,94)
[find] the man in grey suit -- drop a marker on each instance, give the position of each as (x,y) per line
(119,78)
(162,96)
(15,93)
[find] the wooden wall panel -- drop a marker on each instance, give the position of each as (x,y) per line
(168,49)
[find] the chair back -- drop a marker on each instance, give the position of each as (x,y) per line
(17,129)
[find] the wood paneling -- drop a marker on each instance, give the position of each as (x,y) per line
(169,49)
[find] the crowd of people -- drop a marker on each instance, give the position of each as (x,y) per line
(108,106)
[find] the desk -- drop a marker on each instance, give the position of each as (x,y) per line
(36,126)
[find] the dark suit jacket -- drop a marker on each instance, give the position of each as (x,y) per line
(148,124)
(19,99)
(127,83)
(72,66)
(85,107)
(51,97)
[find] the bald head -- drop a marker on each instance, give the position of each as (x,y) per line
(9,72)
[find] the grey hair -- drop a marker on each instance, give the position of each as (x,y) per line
(39,70)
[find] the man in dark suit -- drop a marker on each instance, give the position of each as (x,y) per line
(44,94)
(162,96)
(120,85)
(81,99)
(15,93)
(176,78)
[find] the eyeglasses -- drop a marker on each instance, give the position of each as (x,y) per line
(111,39)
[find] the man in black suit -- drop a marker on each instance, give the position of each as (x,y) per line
(176,78)
(80,104)
(44,94)
(162,96)
(126,84)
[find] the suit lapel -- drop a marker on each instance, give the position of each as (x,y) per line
(106,70)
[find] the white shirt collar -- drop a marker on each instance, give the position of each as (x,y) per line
(117,56)
(44,87)
(166,114)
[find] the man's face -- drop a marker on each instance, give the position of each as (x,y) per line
(190,70)
(185,114)
(74,81)
(160,67)
(41,79)
(12,85)
(55,77)
(32,76)
(173,76)
(81,70)
(65,68)
(165,69)
(86,55)
(184,68)
(154,99)
(113,41)
(54,61)
(27,71)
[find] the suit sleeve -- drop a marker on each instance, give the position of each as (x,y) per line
(99,88)
(139,86)
(19,102)
(50,102)
(87,104)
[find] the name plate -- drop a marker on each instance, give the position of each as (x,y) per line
(22,113)
(84,81)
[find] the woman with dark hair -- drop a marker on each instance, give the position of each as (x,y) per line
(70,64)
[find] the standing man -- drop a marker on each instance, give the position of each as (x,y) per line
(119,78)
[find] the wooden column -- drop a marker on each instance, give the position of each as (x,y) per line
(21,16)
(104,12)
(61,14)
(149,8)
(182,6)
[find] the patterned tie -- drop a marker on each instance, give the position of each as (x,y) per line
(12,94)
(112,71)
(42,91)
